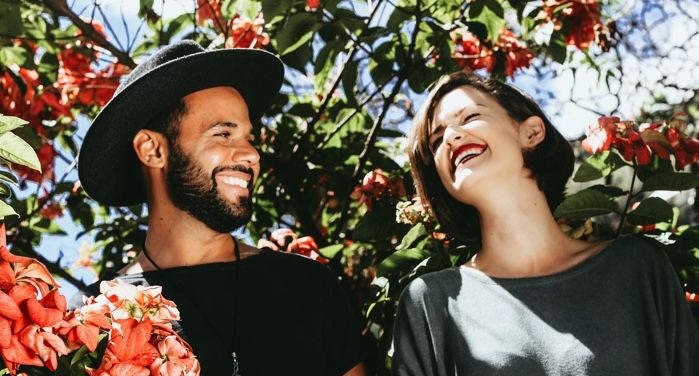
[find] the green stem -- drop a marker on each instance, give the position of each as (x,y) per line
(628,200)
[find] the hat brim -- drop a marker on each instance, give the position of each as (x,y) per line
(107,165)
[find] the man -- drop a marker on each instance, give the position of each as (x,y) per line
(178,135)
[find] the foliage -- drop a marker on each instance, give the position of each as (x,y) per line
(332,173)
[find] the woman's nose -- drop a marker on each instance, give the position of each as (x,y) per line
(451,136)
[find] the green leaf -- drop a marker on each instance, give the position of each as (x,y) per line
(9,177)
(349,80)
(608,190)
(415,233)
(671,181)
(598,166)
(557,48)
(274,10)
(46,226)
(10,18)
(6,210)
(649,211)
(493,23)
(16,150)
(8,123)
(146,5)
(298,30)
(331,250)
(401,260)
(248,8)
(397,18)
(5,190)
(324,63)
(14,55)
(584,204)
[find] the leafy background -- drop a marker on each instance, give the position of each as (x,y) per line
(356,73)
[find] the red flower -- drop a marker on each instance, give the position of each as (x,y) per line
(517,55)
(691,297)
(581,17)
(312,4)
(470,53)
(247,33)
(600,135)
(210,10)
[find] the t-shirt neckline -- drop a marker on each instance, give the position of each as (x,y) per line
(579,268)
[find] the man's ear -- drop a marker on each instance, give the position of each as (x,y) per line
(532,132)
(151,148)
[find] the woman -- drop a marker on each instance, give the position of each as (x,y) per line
(532,301)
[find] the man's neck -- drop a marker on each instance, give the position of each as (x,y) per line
(175,239)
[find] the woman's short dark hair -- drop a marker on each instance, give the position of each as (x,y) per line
(550,163)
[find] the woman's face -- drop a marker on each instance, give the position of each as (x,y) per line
(476,145)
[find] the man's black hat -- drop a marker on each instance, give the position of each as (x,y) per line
(107,165)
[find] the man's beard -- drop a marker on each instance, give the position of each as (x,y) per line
(193,191)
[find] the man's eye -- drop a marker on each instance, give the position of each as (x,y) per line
(223,134)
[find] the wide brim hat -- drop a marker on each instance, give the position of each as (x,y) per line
(107,165)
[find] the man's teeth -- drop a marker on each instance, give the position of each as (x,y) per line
(234,181)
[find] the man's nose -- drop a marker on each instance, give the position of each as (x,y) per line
(246,153)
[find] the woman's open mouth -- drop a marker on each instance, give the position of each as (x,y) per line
(465,153)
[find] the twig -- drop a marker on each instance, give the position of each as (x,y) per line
(628,200)
(60,7)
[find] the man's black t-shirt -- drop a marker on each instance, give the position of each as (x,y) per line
(293,317)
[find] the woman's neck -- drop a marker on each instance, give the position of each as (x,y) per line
(519,235)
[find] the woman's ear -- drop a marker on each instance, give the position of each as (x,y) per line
(532,132)
(151,148)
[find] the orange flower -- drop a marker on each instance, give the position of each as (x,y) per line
(247,33)
(307,246)
(45,344)
(175,358)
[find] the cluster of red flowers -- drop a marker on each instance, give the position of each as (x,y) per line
(31,310)
(377,186)
(471,53)
(662,139)
(287,240)
(582,18)
(35,328)
(78,83)
(244,33)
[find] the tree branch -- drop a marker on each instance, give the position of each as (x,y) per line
(60,7)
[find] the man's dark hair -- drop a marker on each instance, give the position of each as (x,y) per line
(168,121)
(550,163)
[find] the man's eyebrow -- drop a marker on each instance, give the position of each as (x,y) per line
(227,124)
